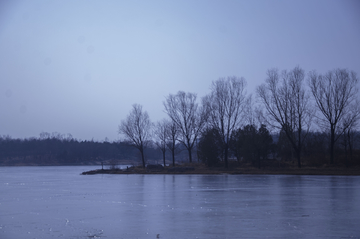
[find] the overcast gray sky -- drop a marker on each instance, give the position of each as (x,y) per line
(78,66)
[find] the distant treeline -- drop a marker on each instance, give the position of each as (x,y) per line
(248,146)
(58,149)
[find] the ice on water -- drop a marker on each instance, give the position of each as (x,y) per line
(58,202)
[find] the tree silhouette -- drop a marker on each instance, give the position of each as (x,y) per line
(189,117)
(172,137)
(226,104)
(137,129)
(161,135)
(336,96)
(287,105)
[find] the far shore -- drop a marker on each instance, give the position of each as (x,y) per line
(199,169)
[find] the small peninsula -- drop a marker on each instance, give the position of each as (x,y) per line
(202,169)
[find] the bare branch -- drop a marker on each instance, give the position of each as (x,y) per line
(336,97)
(227,103)
(189,118)
(287,105)
(137,129)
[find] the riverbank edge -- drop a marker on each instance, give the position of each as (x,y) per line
(245,171)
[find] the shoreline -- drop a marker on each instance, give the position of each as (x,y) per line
(235,171)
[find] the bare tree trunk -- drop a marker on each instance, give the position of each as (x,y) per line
(350,145)
(142,156)
(299,159)
(299,142)
(171,137)
(190,156)
(173,155)
(345,145)
(226,155)
(296,148)
(161,133)
(332,144)
(164,157)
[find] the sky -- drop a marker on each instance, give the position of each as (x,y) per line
(77,67)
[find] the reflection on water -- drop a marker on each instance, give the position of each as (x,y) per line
(53,202)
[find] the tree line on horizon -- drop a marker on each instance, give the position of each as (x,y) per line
(315,117)
(308,119)
(59,149)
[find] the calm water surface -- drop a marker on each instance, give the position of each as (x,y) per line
(58,202)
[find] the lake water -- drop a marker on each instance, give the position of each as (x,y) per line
(58,202)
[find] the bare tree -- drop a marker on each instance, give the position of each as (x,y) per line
(348,126)
(287,105)
(172,137)
(226,104)
(189,118)
(161,136)
(137,129)
(336,96)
